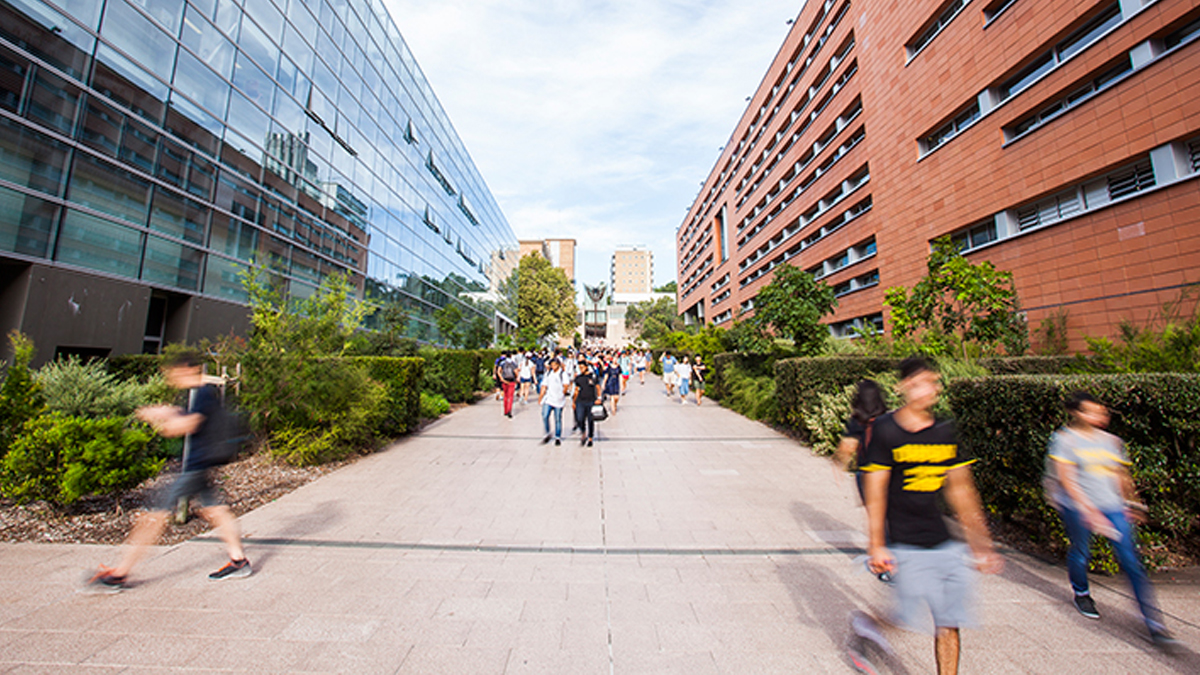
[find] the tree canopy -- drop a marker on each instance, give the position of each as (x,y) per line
(792,306)
(669,287)
(652,319)
(545,299)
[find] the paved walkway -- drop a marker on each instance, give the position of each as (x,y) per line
(688,540)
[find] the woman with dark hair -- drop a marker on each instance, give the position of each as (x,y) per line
(868,403)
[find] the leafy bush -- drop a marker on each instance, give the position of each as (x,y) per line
(61,459)
(755,365)
(1040,365)
(826,419)
(450,373)
(136,367)
(20,396)
(433,406)
(1168,343)
(799,382)
(78,389)
(402,378)
(751,395)
(1006,422)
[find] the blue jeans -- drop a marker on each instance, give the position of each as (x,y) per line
(547,409)
(683,386)
(1127,557)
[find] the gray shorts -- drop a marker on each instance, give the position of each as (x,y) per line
(189,484)
(937,582)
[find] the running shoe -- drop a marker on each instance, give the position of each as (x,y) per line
(1163,640)
(234,569)
(1086,606)
(104,581)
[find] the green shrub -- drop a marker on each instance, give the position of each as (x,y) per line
(1006,422)
(755,365)
(137,367)
(451,373)
(433,406)
(750,395)
(403,378)
(799,382)
(487,361)
(87,389)
(20,396)
(61,459)
(1039,365)
(826,420)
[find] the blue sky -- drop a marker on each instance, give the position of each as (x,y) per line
(597,120)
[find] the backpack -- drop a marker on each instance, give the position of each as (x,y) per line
(230,436)
(508,370)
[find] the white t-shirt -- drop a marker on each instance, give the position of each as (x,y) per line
(527,370)
(684,371)
(554,383)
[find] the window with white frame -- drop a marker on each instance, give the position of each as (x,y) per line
(1091,31)
(945,14)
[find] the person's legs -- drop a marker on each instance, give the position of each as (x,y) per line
(1126,553)
(546,408)
(223,520)
(616,398)
(580,409)
(510,394)
(590,423)
(945,646)
(146,531)
(1080,552)
(557,412)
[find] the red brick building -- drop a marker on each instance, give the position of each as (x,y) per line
(1060,140)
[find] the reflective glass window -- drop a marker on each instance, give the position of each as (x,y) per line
(128,30)
(227,16)
(31,159)
(306,266)
(48,34)
(95,243)
(193,125)
(107,188)
(172,264)
(13,68)
(178,216)
(223,278)
(233,237)
(122,80)
(266,16)
(248,120)
(253,82)
(185,169)
(197,82)
(138,146)
(166,12)
(207,42)
(303,21)
(53,102)
(255,43)
(101,126)
(26,223)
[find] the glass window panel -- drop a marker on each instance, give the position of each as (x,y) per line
(266,16)
(286,75)
(31,159)
(1092,30)
(234,237)
(306,266)
(101,126)
(12,79)
(207,42)
(138,146)
(172,264)
(247,119)
(238,197)
(202,85)
(1028,76)
(166,12)
(122,80)
(223,278)
(53,102)
(303,21)
(178,216)
(226,15)
(255,43)
(193,125)
(95,243)
(253,82)
(48,34)
(105,187)
(128,30)
(26,223)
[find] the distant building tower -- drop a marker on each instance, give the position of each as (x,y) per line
(560,253)
(632,274)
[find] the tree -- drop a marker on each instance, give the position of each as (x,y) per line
(959,302)
(448,318)
(21,396)
(545,299)
(792,306)
(652,319)
(669,287)
(479,333)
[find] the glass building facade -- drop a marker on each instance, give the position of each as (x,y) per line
(173,143)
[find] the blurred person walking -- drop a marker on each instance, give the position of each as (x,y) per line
(640,361)
(586,394)
(525,375)
(506,375)
(200,423)
(912,461)
(683,373)
(553,399)
(699,370)
(1087,480)
(612,383)
(868,404)
(669,377)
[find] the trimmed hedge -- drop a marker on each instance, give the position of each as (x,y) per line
(1006,422)
(451,373)
(754,365)
(403,377)
(799,382)
(1039,365)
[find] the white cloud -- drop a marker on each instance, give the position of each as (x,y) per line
(594,120)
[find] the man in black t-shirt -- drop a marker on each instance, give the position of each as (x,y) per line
(183,372)
(586,394)
(911,460)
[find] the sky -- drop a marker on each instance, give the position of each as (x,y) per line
(596,121)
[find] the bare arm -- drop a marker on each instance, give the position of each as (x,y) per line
(1066,477)
(170,421)
(845,450)
(964,499)
(875,489)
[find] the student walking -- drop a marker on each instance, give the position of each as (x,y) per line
(506,375)
(1087,481)
(586,394)
(699,372)
(612,383)
(683,374)
(639,364)
(912,461)
(868,404)
(553,399)
(197,423)
(669,378)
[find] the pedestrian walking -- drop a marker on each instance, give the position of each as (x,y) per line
(553,399)
(586,394)
(699,372)
(525,375)
(683,374)
(639,363)
(668,368)
(868,404)
(912,461)
(506,375)
(1087,480)
(199,423)
(612,383)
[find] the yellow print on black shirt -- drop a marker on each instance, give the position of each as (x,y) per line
(930,475)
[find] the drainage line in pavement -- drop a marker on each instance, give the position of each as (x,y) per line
(581,550)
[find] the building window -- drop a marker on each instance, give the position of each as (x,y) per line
(1109,76)
(1130,181)
(976,236)
(961,122)
(995,9)
(944,16)
(1091,31)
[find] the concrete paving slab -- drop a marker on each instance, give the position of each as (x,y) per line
(686,540)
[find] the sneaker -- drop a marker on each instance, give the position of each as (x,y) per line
(1086,606)
(589,443)
(104,581)
(234,569)
(558,441)
(546,439)
(1163,640)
